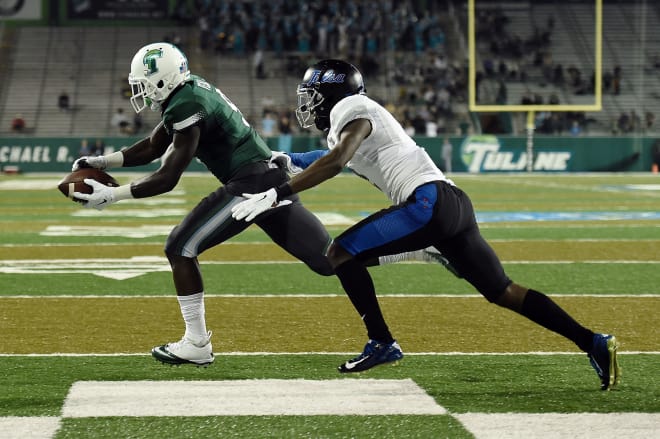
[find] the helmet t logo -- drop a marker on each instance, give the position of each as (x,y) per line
(149,61)
(314,78)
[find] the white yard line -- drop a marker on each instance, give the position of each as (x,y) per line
(562,425)
(309,296)
(256,397)
(281,354)
(32,427)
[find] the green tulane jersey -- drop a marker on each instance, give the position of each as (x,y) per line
(227,141)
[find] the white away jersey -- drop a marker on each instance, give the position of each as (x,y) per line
(388,157)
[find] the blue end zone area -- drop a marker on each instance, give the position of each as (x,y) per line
(503,217)
(498,217)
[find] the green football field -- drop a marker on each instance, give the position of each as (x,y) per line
(85,295)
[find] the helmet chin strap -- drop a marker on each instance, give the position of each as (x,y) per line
(322,123)
(155,106)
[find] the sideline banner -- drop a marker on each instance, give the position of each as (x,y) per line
(474,154)
(45,154)
(489,153)
(117,9)
(20,10)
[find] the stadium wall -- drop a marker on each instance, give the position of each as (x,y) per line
(88,12)
(479,153)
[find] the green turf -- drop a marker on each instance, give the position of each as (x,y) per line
(266,427)
(578,278)
(37,386)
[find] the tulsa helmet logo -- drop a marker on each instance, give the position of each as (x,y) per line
(149,61)
(329,77)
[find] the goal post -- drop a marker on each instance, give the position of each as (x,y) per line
(474,106)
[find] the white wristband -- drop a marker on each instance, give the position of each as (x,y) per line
(122,192)
(114,160)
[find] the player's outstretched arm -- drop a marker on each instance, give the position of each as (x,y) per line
(322,169)
(148,149)
(332,163)
(140,153)
(175,159)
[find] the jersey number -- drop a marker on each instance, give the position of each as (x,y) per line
(207,86)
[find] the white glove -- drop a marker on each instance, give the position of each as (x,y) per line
(101,197)
(99,162)
(284,161)
(256,204)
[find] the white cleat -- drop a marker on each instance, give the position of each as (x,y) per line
(185,351)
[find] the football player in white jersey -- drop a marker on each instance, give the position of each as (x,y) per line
(428,210)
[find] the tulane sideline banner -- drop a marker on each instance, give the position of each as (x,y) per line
(474,154)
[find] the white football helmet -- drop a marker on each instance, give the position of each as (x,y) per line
(156,70)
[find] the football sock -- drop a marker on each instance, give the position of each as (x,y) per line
(192,310)
(400,257)
(540,309)
(359,287)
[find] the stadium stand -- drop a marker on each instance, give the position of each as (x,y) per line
(630,41)
(91,65)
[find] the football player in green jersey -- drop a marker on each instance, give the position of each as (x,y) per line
(198,120)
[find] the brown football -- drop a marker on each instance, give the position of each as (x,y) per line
(74,182)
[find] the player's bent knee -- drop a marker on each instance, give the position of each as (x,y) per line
(337,255)
(324,268)
(513,297)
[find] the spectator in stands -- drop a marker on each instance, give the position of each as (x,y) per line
(446,155)
(120,121)
(576,130)
(98,148)
(649,117)
(343,25)
(268,124)
(304,41)
(137,123)
(419,122)
(556,123)
(614,126)
(125,89)
(608,78)
(558,75)
(502,93)
(204,32)
(267,105)
(84,149)
(635,121)
(616,80)
(284,127)
(431,128)
(408,127)
(429,95)
(18,124)
(442,125)
(63,101)
(322,29)
(258,63)
(624,123)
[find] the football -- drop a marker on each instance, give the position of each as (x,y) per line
(74,182)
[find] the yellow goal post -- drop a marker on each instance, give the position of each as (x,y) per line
(531,109)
